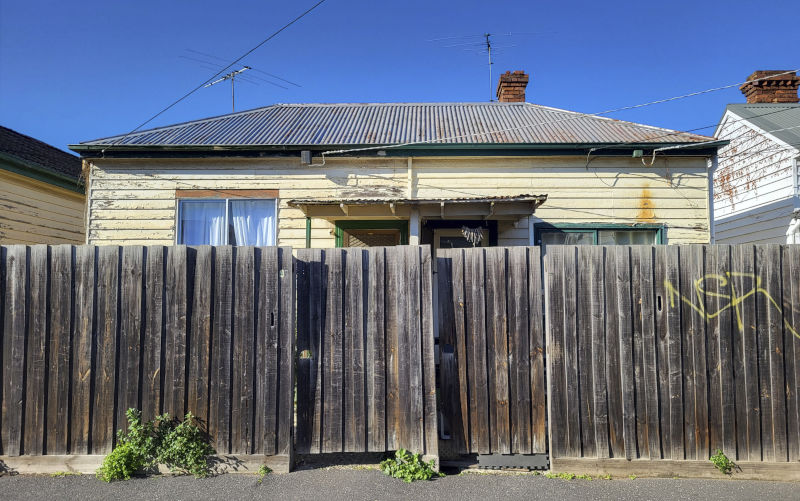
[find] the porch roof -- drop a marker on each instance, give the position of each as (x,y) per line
(490,207)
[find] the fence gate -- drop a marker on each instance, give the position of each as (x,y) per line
(491,366)
(365,375)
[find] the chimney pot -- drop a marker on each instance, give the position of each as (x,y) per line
(778,89)
(511,87)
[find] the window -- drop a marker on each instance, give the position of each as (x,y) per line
(598,235)
(227,222)
(796,171)
(371,233)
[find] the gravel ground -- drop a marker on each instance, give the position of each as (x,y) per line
(337,483)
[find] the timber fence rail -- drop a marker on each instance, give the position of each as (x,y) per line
(88,332)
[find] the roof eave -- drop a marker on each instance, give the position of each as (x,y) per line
(40,173)
(372,149)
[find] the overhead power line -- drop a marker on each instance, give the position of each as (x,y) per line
(253,68)
(576,116)
(273,35)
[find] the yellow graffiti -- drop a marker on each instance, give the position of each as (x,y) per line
(735,298)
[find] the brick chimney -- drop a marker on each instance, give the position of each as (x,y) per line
(779,89)
(511,87)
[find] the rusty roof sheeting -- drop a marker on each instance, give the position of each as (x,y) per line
(342,125)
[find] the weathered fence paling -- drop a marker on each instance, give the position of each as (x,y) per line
(88,332)
(672,352)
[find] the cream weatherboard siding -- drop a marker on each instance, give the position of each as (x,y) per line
(133,201)
(34,212)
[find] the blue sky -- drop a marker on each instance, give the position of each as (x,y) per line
(74,71)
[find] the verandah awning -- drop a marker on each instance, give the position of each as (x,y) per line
(490,208)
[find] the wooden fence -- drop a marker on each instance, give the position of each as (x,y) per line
(492,386)
(88,332)
(365,342)
(673,352)
(665,352)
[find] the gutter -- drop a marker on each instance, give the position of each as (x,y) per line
(265,151)
(39,173)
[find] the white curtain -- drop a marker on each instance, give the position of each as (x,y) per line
(253,222)
(203,223)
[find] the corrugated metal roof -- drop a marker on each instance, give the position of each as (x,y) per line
(776,117)
(374,124)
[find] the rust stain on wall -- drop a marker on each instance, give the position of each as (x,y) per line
(646,206)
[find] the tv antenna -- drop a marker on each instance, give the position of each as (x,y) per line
(215,63)
(488,37)
(232,77)
(483,44)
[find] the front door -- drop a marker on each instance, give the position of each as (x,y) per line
(456,238)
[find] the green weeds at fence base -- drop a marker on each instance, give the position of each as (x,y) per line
(262,472)
(722,462)
(181,445)
(409,467)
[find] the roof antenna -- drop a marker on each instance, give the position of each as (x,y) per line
(489,52)
(232,77)
(484,44)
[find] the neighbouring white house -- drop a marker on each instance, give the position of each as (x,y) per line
(793,233)
(756,179)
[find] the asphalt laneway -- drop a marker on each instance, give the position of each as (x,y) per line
(337,483)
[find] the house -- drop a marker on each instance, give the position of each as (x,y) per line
(756,180)
(42,198)
(445,174)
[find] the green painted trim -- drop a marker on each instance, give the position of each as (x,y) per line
(308,233)
(538,228)
(367,224)
(39,173)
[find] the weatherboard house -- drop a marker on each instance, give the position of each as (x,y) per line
(42,198)
(757,179)
(445,174)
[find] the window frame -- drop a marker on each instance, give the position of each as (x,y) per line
(370,224)
(191,199)
(595,228)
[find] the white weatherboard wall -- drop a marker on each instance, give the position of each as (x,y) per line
(133,201)
(755,185)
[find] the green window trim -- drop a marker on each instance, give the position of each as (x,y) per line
(368,224)
(540,228)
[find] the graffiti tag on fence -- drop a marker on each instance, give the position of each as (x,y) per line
(731,300)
